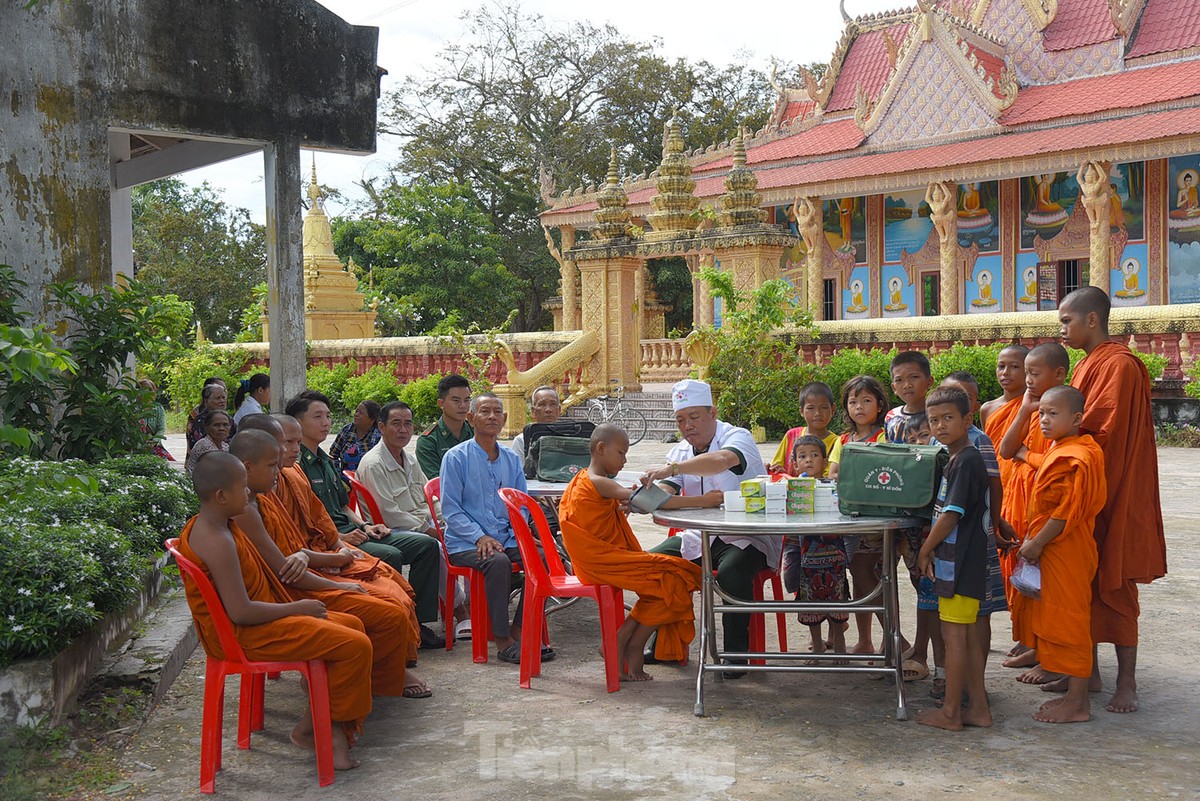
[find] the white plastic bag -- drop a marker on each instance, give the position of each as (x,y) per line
(1027,579)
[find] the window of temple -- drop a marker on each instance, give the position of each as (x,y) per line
(829,304)
(930,294)
(1072,274)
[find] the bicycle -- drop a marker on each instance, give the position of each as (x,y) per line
(612,409)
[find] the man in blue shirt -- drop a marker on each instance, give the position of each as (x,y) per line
(478,532)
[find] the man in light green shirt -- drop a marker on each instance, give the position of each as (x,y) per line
(452,428)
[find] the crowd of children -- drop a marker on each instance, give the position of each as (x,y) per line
(1035,500)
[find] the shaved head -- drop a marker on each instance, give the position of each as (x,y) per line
(1051,354)
(1069,397)
(1016,348)
(255,445)
(608,433)
(261,422)
(1086,300)
(285,421)
(216,470)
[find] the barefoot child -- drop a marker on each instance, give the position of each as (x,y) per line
(1068,492)
(1046,367)
(957,543)
(865,403)
(268,623)
(816,407)
(604,551)
(814,568)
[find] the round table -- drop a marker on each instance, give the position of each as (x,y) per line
(884,600)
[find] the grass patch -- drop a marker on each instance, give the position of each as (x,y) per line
(75,761)
(1168,435)
(176,422)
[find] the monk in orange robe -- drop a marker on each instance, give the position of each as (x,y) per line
(1068,492)
(997,416)
(1129,531)
(1046,366)
(268,622)
(604,551)
(265,522)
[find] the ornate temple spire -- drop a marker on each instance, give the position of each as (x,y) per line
(672,208)
(740,203)
(612,216)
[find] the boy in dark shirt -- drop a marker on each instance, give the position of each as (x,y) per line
(954,555)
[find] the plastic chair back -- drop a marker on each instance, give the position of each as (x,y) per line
(518,502)
(360,496)
(229,644)
(433,494)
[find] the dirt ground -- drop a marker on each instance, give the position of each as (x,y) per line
(765,737)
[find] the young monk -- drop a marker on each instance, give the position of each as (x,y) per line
(1068,492)
(267,526)
(604,551)
(1046,367)
(269,623)
(333,558)
(1129,531)
(996,417)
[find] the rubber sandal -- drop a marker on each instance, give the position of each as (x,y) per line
(938,691)
(511,654)
(914,670)
(462,630)
(417,691)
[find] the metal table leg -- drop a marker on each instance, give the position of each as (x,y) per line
(707,622)
(891,601)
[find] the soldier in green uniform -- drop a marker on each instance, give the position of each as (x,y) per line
(454,399)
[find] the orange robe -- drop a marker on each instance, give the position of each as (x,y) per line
(1129,531)
(385,621)
(1012,507)
(604,551)
(1069,486)
(338,639)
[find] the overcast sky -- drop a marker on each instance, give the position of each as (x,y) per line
(411,32)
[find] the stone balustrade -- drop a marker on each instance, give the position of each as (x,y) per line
(664,361)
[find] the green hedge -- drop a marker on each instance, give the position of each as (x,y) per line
(75,542)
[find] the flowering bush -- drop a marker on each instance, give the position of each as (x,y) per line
(76,540)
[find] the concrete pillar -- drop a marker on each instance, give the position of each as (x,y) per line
(942,197)
(120,203)
(610,309)
(702,300)
(285,273)
(752,265)
(569,273)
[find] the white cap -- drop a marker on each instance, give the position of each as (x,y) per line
(690,392)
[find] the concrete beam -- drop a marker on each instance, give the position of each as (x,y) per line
(285,271)
(189,155)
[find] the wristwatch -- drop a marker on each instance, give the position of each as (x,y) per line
(674,469)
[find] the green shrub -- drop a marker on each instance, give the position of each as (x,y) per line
(330,381)
(1155,364)
(421,395)
(186,375)
(850,362)
(978,360)
(1192,388)
(1168,435)
(377,383)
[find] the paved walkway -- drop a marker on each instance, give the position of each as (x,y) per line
(767,737)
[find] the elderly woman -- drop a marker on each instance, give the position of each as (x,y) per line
(219,427)
(357,437)
(154,424)
(214,398)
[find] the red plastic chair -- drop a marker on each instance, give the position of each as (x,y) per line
(758,625)
(551,580)
(481,624)
(360,496)
(250,711)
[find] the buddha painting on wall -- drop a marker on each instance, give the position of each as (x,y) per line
(1183,229)
(985,300)
(978,215)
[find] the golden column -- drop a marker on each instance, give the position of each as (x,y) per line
(810,221)
(1093,178)
(703,300)
(942,197)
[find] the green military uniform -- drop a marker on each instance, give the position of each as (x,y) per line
(399,548)
(433,444)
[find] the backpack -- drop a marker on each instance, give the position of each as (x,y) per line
(557,451)
(890,480)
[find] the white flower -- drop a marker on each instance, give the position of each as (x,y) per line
(24,591)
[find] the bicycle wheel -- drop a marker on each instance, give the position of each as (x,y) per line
(596,413)
(634,423)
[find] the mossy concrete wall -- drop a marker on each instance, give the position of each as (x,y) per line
(258,71)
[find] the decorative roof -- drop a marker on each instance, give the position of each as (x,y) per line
(828,137)
(868,63)
(1079,23)
(1124,90)
(1166,25)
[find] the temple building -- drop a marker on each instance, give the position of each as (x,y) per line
(962,157)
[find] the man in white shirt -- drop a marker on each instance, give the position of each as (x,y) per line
(715,456)
(545,407)
(396,480)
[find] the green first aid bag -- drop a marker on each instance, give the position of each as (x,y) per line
(558,458)
(886,480)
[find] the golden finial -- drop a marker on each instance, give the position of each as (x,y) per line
(314,191)
(740,203)
(612,214)
(673,207)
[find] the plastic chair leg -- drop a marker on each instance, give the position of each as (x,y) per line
(780,617)
(246,699)
(448,610)
(608,599)
(256,721)
(318,701)
(481,627)
(210,728)
(531,649)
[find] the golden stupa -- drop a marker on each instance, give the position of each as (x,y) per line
(333,306)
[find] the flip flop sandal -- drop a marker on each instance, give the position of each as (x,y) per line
(914,671)
(417,691)
(462,630)
(938,691)
(511,654)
